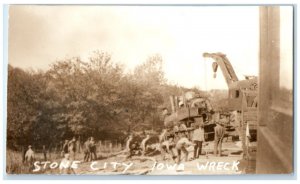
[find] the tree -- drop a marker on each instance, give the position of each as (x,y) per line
(93,98)
(142,94)
(87,91)
(23,104)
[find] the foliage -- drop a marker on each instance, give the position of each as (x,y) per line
(77,98)
(87,98)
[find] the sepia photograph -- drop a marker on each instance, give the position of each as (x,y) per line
(150,90)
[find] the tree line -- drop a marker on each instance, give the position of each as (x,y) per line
(96,98)
(78,98)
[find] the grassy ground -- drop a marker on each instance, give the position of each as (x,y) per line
(15,165)
(231,152)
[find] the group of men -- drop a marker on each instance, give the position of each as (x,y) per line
(89,149)
(134,148)
(176,143)
(173,144)
(69,147)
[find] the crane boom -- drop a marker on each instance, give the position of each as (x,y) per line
(226,67)
(242,97)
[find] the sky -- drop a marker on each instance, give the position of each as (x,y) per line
(41,35)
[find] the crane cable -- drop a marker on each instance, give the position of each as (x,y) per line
(205,74)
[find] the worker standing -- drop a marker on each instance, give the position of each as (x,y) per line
(65,148)
(72,148)
(219,135)
(86,150)
(198,139)
(29,155)
(92,148)
(29,158)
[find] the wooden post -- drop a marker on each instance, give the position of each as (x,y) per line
(110,147)
(100,145)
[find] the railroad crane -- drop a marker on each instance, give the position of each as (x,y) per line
(242,99)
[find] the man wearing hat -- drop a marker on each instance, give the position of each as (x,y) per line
(219,135)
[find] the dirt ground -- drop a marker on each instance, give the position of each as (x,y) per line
(207,164)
